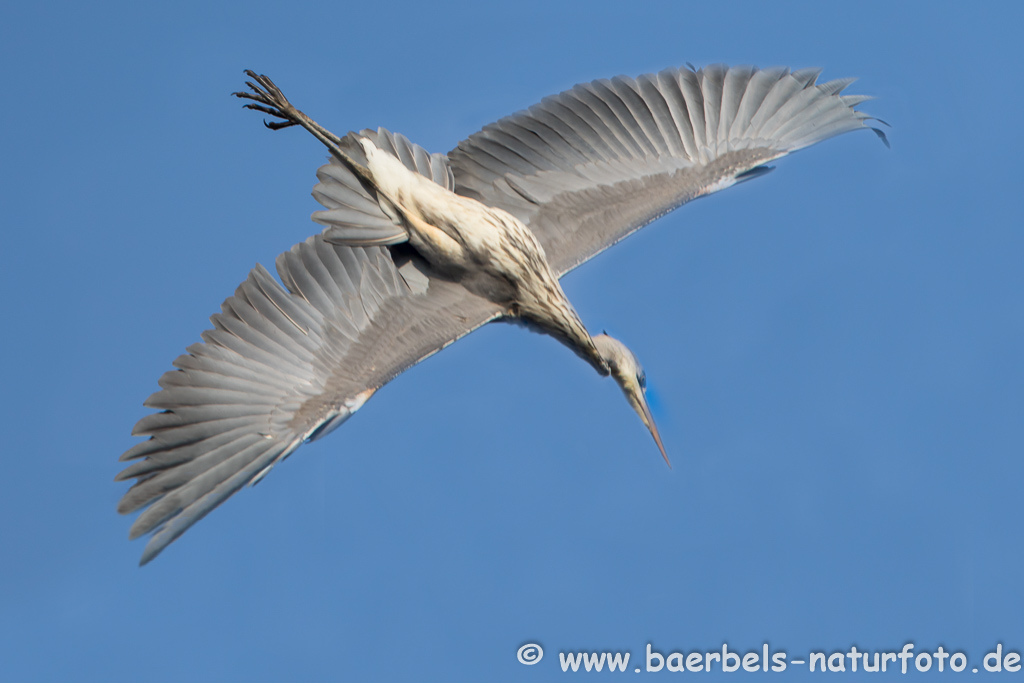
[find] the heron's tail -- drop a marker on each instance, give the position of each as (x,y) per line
(353,214)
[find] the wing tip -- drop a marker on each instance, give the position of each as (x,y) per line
(150,553)
(882,136)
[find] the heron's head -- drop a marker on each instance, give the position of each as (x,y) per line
(626,370)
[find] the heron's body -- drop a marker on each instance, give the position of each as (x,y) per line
(420,249)
(488,250)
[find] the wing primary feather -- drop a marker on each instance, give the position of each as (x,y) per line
(806,77)
(154,490)
(572,141)
(694,99)
(711,83)
(660,109)
(604,140)
(640,109)
(171,454)
(606,90)
(733,86)
(668,83)
(214,358)
(236,334)
(272,293)
(546,132)
(837,86)
(510,151)
(590,94)
(781,91)
(203,505)
(648,145)
(581,119)
(757,89)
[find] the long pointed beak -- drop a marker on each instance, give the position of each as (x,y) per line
(644,411)
(625,369)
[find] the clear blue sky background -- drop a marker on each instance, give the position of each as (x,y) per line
(835,352)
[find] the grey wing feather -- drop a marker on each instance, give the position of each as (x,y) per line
(352,213)
(588,166)
(280,366)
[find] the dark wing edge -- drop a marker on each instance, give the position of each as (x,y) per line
(588,166)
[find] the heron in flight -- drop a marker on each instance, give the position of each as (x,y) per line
(420,249)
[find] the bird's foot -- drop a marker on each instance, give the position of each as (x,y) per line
(270,100)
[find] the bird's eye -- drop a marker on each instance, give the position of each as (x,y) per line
(642,378)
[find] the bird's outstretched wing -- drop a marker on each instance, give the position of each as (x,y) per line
(283,365)
(587,167)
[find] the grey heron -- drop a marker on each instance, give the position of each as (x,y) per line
(420,249)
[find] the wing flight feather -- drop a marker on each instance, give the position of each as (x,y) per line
(286,364)
(588,166)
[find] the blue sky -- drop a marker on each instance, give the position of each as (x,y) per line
(834,352)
